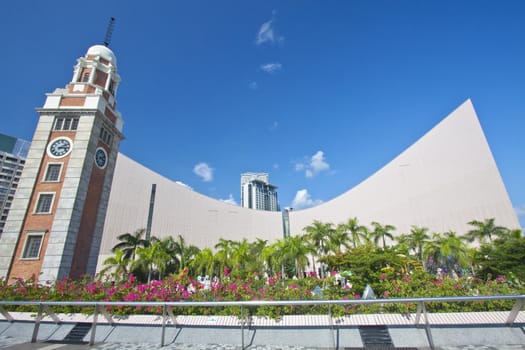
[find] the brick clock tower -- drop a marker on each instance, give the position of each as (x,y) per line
(56,220)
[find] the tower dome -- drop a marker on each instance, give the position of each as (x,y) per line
(104,52)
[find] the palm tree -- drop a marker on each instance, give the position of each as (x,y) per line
(130,242)
(485,230)
(294,249)
(256,249)
(356,231)
(241,254)
(183,252)
(224,253)
(319,234)
(447,250)
(380,232)
(118,264)
(416,240)
(147,258)
(338,239)
(270,259)
(204,263)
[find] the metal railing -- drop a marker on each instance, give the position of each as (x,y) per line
(46,307)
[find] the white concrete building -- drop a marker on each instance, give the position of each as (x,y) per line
(444,180)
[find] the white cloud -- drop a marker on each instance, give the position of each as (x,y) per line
(183,184)
(203,170)
(304,200)
(271,67)
(230,200)
(253,85)
(267,33)
(314,165)
(318,163)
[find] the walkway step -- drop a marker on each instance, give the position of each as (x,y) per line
(77,334)
(375,337)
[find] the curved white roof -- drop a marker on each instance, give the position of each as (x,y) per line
(444,180)
(104,52)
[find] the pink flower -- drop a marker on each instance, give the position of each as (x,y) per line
(383,276)
(385,294)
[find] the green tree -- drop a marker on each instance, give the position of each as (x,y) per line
(129,242)
(503,257)
(356,232)
(417,239)
(241,255)
(485,230)
(294,249)
(319,234)
(447,250)
(381,232)
(117,264)
(338,239)
(204,263)
(224,254)
(183,252)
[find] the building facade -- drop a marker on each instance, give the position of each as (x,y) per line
(258,193)
(13,153)
(444,180)
(56,220)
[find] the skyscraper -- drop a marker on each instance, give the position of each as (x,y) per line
(257,192)
(13,153)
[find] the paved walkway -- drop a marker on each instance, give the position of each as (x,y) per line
(483,331)
(14,344)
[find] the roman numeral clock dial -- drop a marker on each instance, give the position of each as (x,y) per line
(60,147)
(101,158)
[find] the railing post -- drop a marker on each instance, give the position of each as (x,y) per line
(6,314)
(427,324)
(520,302)
(37,323)
(242,327)
(418,313)
(163,325)
(51,314)
(94,327)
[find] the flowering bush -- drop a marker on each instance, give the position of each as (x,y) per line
(183,287)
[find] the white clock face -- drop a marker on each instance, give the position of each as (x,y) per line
(101,158)
(60,147)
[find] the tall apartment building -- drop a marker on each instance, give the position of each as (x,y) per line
(13,153)
(257,192)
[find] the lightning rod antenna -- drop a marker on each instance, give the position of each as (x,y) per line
(109,31)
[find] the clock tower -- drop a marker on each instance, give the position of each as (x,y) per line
(56,220)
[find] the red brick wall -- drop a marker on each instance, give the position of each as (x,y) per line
(88,221)
(26,269)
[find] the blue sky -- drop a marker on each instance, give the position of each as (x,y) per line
(319,94)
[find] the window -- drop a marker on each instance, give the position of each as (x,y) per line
(53,172)
(105,136)
(32,246)
(45,201)
(66,123)
(85,77)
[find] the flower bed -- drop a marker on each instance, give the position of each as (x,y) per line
(185,288)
